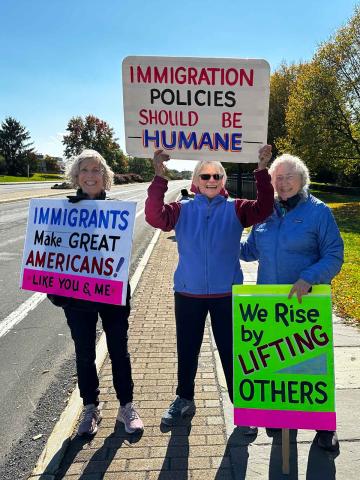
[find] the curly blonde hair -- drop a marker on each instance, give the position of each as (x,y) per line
(73,168)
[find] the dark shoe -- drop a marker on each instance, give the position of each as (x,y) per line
(91,419)
(327,440)
(178,409)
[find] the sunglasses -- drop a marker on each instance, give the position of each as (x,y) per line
(207,176)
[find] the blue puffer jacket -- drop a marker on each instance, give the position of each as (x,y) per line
(208,266)
(305,243)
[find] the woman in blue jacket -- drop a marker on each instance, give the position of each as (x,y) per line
(208,231)
(298,244)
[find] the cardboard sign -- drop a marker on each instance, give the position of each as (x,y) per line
(283,358)
(196,108)
(79,250)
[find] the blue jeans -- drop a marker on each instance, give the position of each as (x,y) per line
(82,324)
(190,314)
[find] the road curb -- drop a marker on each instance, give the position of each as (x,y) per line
(30,197)
(225,400)
(50,459)
(37,182)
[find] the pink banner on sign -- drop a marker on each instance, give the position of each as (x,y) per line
(285,419)
(84,288)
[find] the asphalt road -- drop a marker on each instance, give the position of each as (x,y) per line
(36,355)
(26,187)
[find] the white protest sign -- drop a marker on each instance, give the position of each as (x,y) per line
(196,108)
(80,250)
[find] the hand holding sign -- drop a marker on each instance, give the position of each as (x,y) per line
(265,153)
(300,288)
(159,158)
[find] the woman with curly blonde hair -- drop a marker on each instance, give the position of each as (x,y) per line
(90,173)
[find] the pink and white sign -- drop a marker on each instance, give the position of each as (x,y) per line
(196,108)
(79,250)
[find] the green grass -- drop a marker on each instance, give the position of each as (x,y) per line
(345,286)
(37,177)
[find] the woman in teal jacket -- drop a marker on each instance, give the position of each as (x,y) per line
(298,244)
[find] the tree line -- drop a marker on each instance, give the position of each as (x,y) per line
(17,154)
(315,108)
(314,113)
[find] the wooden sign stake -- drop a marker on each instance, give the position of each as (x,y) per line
(285,438)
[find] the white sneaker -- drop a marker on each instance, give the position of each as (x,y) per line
(130,418)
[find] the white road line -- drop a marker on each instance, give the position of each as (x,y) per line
(130,198)
(12,240)
(139,213)
(21,312)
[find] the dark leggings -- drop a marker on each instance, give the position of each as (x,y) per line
(190,313)
(82,324)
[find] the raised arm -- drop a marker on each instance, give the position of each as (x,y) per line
(158,214)
(250,212)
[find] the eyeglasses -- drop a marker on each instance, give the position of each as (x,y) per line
(288,178)
(207,176)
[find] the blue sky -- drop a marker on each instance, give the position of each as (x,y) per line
(62,58)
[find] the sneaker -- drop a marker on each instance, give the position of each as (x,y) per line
(178,409)
(130,418)
(328,440)
(91,419)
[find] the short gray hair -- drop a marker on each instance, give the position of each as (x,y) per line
(73,168)
(201,164)
(297,164)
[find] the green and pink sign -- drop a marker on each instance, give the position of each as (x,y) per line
(283,358)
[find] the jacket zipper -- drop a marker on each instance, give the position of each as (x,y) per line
(277,248)
(206,249)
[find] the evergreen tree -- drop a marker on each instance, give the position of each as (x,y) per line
(15,147)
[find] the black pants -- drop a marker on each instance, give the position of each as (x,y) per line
(82,324)
(190,313)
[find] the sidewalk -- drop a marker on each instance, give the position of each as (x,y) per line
(209,448)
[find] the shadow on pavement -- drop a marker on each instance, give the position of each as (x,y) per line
(172,237)
(275,462)
(176,460)
(320,465)
(103,457)
(237,452)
